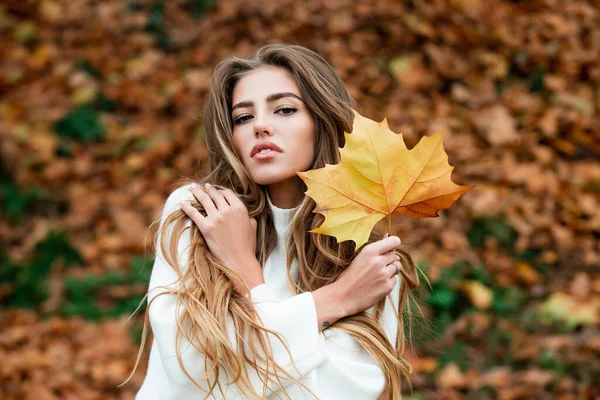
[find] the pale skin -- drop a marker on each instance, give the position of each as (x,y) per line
(230,233)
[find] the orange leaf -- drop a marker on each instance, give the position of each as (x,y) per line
(378,176)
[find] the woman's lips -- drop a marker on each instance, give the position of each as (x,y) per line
(265,156)
(257,148)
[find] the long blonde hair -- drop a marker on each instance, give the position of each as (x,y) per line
(208,295)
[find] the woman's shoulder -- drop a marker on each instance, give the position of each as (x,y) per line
(178,195)
(161,271)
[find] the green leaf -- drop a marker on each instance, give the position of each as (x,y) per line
(548,360)
(509,300)
(82,124)
(199,7)
(442,298)
(455,354)
(29,280)
(496,227)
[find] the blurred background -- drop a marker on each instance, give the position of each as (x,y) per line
(100,115)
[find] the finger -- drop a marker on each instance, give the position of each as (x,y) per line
(217,197)
(391,268)
(232,198)
(392,251)
(205,200)
(389,257)
(384,245)
(193,213)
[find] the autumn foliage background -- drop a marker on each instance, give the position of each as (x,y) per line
(99,115)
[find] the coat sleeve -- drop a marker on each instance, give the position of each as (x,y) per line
(351,370)
(295,319)
(390,323)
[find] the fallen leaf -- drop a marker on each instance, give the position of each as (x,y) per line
(497,377)
(578,103)
(408,70)
(479,295)
(426,364)
(497,125)
(377,177)
(581,286)
(527,274)
(455,241)
(562,307)
(451,377)
(538,377)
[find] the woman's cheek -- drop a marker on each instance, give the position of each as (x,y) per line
(305,160)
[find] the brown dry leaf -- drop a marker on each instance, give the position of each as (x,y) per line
(497,377)
(537,377)
(497,125)
(44,144)
(596,284)
(446,61)
(563,237)
(451,377)
(548,123)
(581,286)
(410,73)
(487,199)
(131,226)
(455,241)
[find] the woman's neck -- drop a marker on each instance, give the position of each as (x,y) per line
(286,194)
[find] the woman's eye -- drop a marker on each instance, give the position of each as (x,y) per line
(288,110)
(241,119)
(283,110)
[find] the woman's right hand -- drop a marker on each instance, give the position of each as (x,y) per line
(370,277)
(229,233)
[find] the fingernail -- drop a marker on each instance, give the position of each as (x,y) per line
(193,185)
(207,185)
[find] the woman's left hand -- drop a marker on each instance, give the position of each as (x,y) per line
(229,232)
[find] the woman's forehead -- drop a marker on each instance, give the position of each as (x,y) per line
(258,84)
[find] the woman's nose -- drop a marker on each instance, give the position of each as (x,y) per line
(261,126)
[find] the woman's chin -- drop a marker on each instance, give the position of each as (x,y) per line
(271,177)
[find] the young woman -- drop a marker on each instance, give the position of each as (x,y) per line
(244,302)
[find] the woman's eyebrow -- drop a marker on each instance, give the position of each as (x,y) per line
(271,97)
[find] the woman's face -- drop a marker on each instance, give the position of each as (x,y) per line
(267,107)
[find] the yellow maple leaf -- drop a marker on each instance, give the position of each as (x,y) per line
(377,176)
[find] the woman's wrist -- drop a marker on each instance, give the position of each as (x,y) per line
(252,283)
(254,280)
(329,304)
